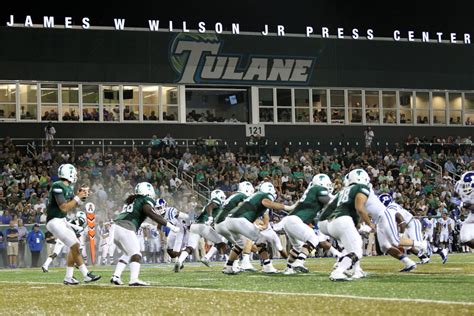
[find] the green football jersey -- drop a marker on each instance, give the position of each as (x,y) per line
(53,210)
(309,204)
(204,216)
(229,204)
(252,207)
(133,212)
(346,201)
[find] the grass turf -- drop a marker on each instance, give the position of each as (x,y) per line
(430,289)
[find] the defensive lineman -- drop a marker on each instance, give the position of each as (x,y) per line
(61,201)
(137,208)
(465,189)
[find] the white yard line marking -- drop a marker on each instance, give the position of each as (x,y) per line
(161,286)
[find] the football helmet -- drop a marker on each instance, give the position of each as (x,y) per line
(323,180)
(81,218)
(145,189)
(219,195)
(267,187)
(160,206)
(386,199)
(358,176)
(68,172)
(246,188)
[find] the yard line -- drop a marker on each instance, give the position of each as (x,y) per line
(355,297)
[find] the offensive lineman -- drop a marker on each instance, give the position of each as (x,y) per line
(340,218)
(61,201)
(137,208)
(301,236)
(202,228)
(240,225)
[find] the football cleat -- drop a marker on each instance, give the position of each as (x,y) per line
(359,274)
(230,270)
(300,268)
(205,262)
(45,270)
(70,281)
(91,277)
(338,276)
(178,267)
(137,282)
(408,268)
(269,268)
(248,267)
(116,280)
(289,271)
(444,255)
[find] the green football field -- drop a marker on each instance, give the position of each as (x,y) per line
(432,289)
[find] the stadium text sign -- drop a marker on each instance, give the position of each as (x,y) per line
(204,61)
(119,24)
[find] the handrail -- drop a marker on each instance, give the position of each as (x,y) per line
(438,168)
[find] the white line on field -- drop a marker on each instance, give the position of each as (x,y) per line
(365,298)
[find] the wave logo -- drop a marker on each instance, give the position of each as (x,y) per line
(198,58)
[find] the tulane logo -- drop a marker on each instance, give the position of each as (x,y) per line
(199,58)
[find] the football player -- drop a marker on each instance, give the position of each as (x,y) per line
(340,218)
(245,190)
(61,201)
(302,237)
(202,228)
(240,225)
(465,188)
(137,208)
(77,224)
(392,221)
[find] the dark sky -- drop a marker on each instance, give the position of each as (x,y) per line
(382,16)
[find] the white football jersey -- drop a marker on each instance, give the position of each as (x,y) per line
(373,206)
(444,225)
(171,215)
(407,216)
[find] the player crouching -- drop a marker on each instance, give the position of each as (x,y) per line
(137,208)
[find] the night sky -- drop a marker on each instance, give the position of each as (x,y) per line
(382,16)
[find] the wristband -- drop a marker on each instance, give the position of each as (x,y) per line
(78,200)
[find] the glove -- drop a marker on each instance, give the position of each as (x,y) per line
(173,228)
(209,221)
(289,208)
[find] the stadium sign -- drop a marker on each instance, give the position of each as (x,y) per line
(200,59)
(119,24)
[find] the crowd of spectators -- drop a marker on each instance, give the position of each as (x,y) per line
(402,171)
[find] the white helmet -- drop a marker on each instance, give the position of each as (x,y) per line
(345,180)
(358,176)
(145,189)
(323,180)
(465,186)
(81,217)
(267,187)
(246,188)
(160,206)
(68,172)
(219,195)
